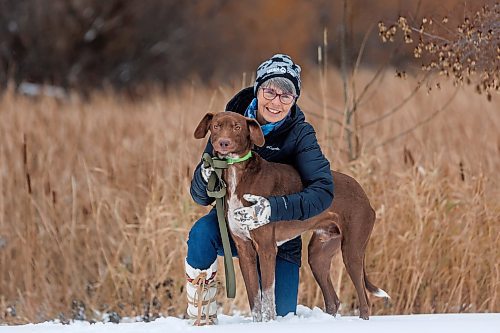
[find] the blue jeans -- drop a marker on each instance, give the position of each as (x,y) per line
(205,243)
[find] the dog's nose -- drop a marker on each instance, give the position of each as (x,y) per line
(224,143)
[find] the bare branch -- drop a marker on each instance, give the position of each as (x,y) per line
(421,123)
(380,70)
(362,49)
(426,34)
(337,111)
(319,116)
(399,106)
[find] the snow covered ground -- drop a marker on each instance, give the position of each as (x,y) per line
(307,320)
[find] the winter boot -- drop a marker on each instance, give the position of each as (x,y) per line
(201,289)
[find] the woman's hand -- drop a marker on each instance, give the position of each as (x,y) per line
(206,172)
(254,216)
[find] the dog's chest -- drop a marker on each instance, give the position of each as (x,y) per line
(233,203)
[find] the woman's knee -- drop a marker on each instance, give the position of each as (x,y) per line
(202,243)
(204,230)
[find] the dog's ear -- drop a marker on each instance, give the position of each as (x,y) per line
(202,129)
(256,134)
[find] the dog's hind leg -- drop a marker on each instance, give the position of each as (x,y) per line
(321,250)
(354,243)
(353,261)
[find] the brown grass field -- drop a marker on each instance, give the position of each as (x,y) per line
(95,207)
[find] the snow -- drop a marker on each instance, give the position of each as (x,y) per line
(307,320)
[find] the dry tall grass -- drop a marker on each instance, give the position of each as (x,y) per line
(95,206)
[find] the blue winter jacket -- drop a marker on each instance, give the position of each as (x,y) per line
(294,143)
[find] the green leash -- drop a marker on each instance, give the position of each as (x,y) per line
(216,188)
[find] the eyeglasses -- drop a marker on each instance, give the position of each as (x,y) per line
(271,94)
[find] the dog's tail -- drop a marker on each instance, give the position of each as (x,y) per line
(374,290)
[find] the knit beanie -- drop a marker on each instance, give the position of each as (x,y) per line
(280,65)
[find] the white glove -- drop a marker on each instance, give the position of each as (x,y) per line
(254,216)
(206,172)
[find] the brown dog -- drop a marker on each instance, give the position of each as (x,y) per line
(346,225)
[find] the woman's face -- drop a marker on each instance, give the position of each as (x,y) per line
(272,110)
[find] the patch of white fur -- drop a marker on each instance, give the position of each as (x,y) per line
(324,236)
(257,307)
(381,293)
(320,232)
(281,242)
(268,304)
(230,155)
(233,203)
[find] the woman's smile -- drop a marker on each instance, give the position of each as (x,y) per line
(273,111)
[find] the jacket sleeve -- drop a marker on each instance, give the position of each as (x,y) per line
(198,188)
(314,170)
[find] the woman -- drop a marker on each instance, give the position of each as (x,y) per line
(289,139)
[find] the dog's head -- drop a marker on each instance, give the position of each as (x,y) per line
(231,134)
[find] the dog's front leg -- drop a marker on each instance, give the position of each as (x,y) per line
(248,264)
(266,250)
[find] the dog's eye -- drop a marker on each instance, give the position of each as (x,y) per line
(216,126)
(237,128)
